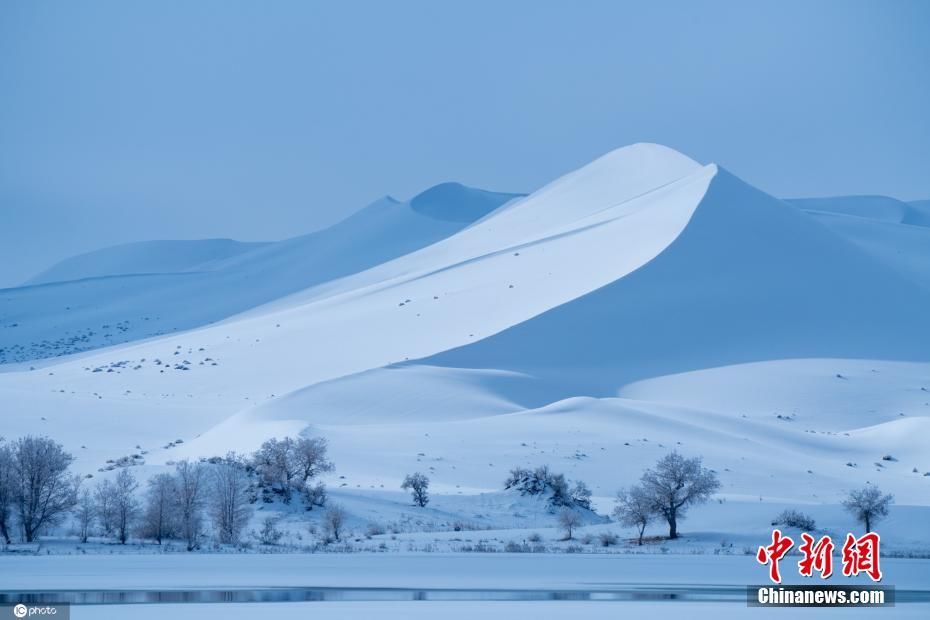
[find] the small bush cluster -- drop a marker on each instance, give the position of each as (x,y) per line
(796,519)
(285,466)
(541,481)
(270,534)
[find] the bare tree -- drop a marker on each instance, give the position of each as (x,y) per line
(868,505)
(335,520)
(104,495)
(7,487)
(43,490)
(159,519)
(418,485)
(85,513)
(189,481)
(568,521)
(229,498)
(125,504)
(276,465)
(310,460)
(676,484)
(634,509)
(287,465)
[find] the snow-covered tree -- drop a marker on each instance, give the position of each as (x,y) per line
(125,504)
(568,521)
(276,466)
(6,492)
(335,520)
(159,520)
(675,484)
(43,490)
(868,505)
(229,505)
(104,506)
(189,482)
(418,485)
(310,460)
(634,509)
(288,465)
(85,513)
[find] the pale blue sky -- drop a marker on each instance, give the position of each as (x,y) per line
(125,120)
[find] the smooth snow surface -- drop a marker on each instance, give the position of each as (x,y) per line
(145,257)
(894,232)
(457,203)
(640,304)
(879,208)
(142,290)
(560,610)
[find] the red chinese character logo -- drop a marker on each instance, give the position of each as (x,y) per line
(773,553)
(816,557)
(860,555)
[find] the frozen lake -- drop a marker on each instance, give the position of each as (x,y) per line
(417,585)
(488,571)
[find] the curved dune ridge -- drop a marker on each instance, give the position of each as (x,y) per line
(457,203)
(639,264)
(153,288)
(878,208)
(575,317)
(894,232)
(749,279)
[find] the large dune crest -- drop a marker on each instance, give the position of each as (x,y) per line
(621,302)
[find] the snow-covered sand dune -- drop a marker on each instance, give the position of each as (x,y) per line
(140,290)
(878,208)
(641,303)
(748,279)
(896,232)
(144,257)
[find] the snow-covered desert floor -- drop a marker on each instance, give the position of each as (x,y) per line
(642,304)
